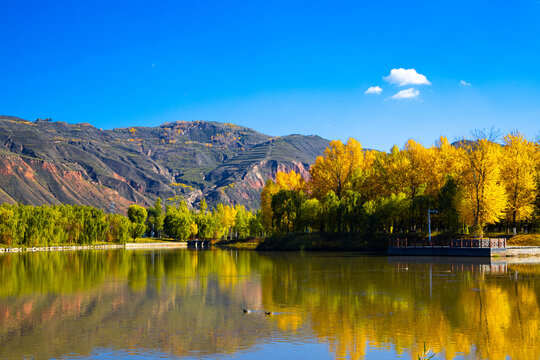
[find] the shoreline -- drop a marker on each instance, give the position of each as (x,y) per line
(153,245)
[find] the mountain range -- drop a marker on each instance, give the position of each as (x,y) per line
(46,162)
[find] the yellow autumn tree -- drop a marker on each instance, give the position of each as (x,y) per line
(366,182)
(290,180)
(227,218)
(376,183)
(482,197)
(537,201)
(268,191)
(442,164)
(417,166)
(406,172)
(390,172)
(336,169)
(519,176)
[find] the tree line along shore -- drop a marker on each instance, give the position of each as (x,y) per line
(52,225)
(352,198)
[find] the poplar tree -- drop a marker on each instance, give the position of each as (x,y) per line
(519,176)
(482,197)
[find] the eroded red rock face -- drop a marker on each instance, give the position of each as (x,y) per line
(41,182)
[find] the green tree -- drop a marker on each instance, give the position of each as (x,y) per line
(159,217)
(178,222)
(286,207)
(255,225)
(119,228)
(447,210)
(7,225)
(208,226)
(241,226)
(203,206)
(311,215)
(154,220)
(137,215)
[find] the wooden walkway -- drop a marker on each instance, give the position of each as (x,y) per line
(453,247)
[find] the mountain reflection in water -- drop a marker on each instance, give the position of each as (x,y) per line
(189,303)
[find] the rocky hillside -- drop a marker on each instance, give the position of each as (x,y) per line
(43,162)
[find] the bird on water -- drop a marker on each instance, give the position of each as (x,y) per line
(246,311)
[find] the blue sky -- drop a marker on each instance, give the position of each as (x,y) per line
(279,67)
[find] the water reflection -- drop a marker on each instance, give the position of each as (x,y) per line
(189,303)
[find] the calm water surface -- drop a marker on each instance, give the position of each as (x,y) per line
(188,304)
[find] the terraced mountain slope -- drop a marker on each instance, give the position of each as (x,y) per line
(43,162)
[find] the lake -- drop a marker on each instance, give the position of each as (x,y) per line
(187,304)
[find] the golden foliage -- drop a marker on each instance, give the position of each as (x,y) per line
(520,158)
(186,186)
(193,229)
(337,169)
(442,164)
(269,190)
(482,197)
(486,180)
(290,180)
(226,215)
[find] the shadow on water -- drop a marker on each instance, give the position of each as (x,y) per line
(189,303)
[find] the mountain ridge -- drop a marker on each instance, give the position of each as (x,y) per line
(46,162)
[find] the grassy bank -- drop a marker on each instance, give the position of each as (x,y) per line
(94,243)
(324,242)
(525,240)
(147,240)
(240,244)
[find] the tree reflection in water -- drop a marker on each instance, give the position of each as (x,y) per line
(190,303)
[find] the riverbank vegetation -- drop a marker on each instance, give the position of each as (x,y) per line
(475,185)
(25,225)
(319,241)
(525,240)
(222,222)
(351,198)
(50,225)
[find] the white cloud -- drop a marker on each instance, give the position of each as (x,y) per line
(404,77)
(410,93)
(464,83)
(374,90)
